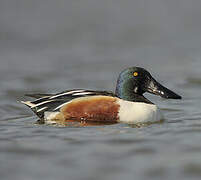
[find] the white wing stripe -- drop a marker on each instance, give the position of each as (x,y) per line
(42,109)
(66,93)
(61,105)
(41,103)
(82,93)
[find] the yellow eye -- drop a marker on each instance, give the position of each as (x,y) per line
(135,74)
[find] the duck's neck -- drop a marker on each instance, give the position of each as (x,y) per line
(126,90)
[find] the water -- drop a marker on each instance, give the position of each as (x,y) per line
(51,46)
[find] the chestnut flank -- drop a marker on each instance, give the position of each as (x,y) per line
(94,108)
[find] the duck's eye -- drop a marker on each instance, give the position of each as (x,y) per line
(135,74)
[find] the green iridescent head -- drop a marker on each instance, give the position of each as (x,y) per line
(133,82)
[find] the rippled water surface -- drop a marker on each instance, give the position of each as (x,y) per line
(85,45)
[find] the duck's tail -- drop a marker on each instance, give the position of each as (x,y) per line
(28,103)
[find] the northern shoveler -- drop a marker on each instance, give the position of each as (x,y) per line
(127,104)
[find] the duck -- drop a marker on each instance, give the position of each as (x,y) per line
(126,105)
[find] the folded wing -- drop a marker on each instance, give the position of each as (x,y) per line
(53,102)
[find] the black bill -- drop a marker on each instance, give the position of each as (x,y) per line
(156,88)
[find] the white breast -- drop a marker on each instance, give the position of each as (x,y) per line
(137,112)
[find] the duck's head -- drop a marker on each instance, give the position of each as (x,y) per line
(133,82)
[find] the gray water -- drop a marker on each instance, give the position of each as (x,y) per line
(51,46)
